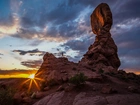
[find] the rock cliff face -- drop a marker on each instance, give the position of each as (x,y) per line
(100,57)
(102,54)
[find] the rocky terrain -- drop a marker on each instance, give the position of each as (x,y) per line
(95,80)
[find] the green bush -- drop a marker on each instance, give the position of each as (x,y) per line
(78,79)
(6,96)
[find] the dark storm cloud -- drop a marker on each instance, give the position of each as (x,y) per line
(30,52)
(61,15)
(57,12)
(68,30)
(32,63)
(60,21)
(27,22)
(128,10)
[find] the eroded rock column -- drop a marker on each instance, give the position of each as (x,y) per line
(102,54)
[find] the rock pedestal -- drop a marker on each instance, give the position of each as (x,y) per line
(102,54)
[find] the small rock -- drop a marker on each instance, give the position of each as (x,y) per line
(60,88)
(47,88)
(23,94)
(108,90)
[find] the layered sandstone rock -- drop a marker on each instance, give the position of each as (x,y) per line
(54,68)
(60,70)
(102,54)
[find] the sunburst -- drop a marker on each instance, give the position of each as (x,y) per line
(32,80)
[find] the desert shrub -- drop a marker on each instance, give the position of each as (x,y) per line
(6,96)
(78,79)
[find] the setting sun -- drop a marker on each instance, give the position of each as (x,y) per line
(32,76)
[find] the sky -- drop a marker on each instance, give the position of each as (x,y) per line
(29,28)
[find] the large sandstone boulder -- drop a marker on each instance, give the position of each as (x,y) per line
(102,54)
(55,69)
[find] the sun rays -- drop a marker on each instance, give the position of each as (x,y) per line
(32,81)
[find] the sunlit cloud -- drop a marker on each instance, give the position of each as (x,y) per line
(12,29)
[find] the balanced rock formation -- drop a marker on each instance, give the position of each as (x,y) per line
(102,54)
